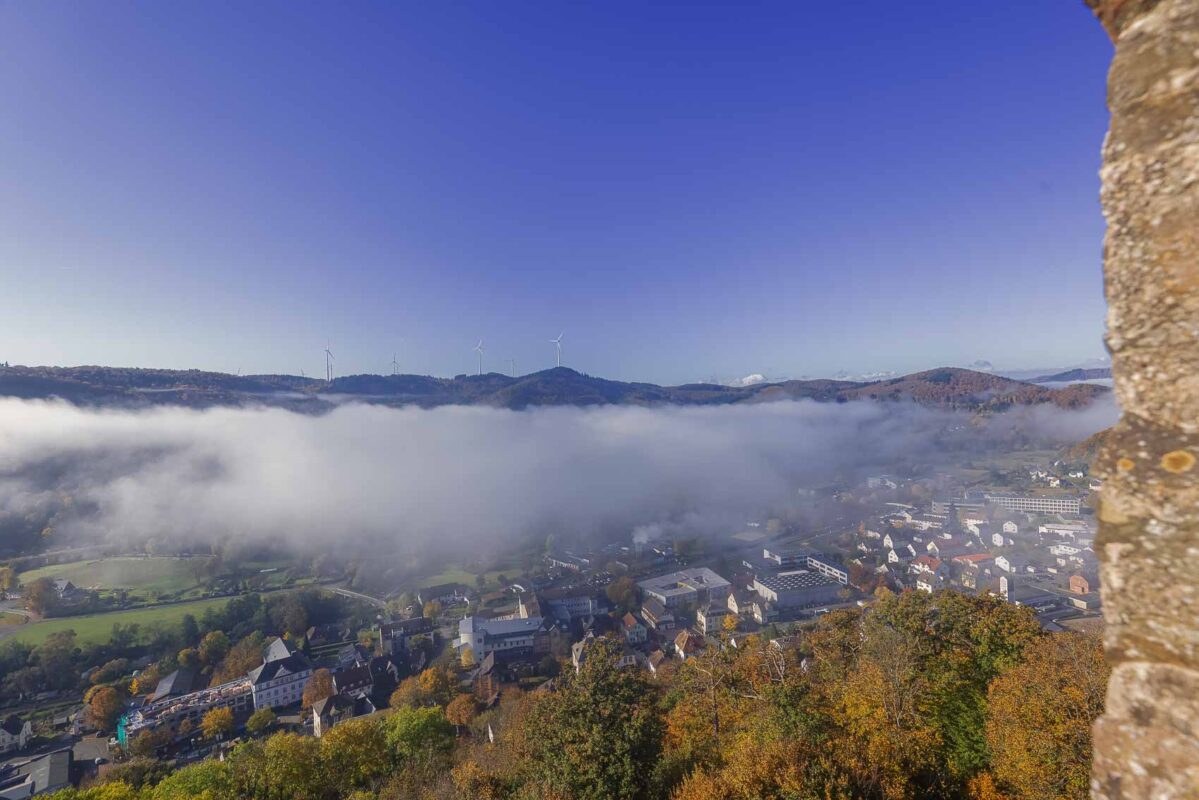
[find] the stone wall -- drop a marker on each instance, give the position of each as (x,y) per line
(1147,742)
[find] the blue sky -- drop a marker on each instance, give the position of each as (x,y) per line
(686,190)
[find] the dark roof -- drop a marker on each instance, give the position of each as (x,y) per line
(353,678)
(336,702)
(181,681)
(406,626)
(340,703)
(355,653)
(281,668)
(278,650)
(790,581)
(654,608)
(52,770)
(13,725)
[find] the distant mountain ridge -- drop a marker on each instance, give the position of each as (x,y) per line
(947,387)
(1079,374)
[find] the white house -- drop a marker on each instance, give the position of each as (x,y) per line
(928,582)
(1011,528)
(634,630)
(710,618)
(1011,564)
(281,678)
(14,734)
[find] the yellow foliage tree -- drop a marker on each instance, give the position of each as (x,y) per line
(436,683)
(1039,728)
(217,723)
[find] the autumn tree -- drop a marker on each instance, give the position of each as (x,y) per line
(624,594)
(217,723)
(138,772)
(188,658)
(147,743)
(291,768)
(206,780)
(41,596)
(8,579)
(214,647)
(261,721)
(435,684)
(431,610)
(319,686)
(411,732)
(1041,712)
(461,710)
(104,707)
(145,681)
(599,735)
(356,751)
(242,657)
(407,695)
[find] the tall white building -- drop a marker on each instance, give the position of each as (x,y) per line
(281,678)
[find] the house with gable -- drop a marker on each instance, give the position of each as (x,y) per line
(280,680)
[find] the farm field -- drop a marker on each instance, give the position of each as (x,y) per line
(160,576)
(95,628)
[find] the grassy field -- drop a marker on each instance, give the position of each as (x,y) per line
(11,619)
(162,576)
(459,575)
(98,627)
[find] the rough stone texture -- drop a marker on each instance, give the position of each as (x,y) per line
(1147,742)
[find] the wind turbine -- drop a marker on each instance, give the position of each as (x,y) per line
(558,344)
(479,350)
(329,363)
(512,363)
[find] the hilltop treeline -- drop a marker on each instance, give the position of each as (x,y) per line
(946,387)
(918,696)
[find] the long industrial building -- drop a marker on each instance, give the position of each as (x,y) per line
(797,589)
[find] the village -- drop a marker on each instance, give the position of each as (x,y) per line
(664,601)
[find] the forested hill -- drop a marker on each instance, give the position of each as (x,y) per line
(128,387)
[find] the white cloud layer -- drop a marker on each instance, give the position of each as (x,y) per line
(451,476)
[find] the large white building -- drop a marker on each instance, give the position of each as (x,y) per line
(1041,504)
(688,587)
(281,678)
(505,636)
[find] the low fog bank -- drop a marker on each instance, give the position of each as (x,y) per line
(463,479)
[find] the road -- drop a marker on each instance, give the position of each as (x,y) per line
(14,607)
